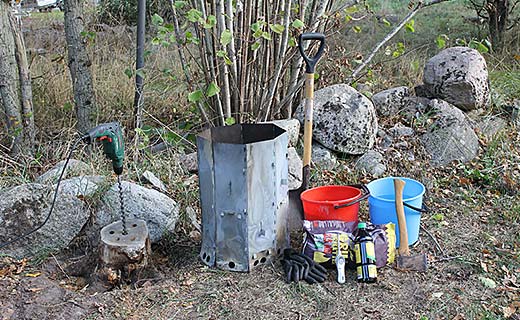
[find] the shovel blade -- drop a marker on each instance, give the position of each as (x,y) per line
(412,263)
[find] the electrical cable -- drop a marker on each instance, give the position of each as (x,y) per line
(5,244)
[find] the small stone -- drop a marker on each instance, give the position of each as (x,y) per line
(189,162)
(391,101)
(515,114)
(386,142)
(150,178)
(402,145)
(295,169)
(399,130)
(371,162)
(195,236)
(192,215)
(323,157)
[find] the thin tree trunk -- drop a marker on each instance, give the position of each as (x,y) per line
(29,130)
(280,58)
(232,56)
(224,73)
(209,55)
(79,64)
(139,64)
(498,11)
(10,86)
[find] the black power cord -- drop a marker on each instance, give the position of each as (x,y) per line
(5,244)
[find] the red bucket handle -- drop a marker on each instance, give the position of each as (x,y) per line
(364,191)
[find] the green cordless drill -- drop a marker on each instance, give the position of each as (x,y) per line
(111,136)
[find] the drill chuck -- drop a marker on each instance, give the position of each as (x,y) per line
(111,136)
(117,169)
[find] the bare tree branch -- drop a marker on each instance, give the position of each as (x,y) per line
(390,35)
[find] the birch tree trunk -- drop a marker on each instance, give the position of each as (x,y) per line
(79,63)
(15,85)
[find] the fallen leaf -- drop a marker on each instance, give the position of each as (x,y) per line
(437,294)
(484,266)
(22,263)
(488,282)
(6,271)
(508,311)
(35,289)
(33,275)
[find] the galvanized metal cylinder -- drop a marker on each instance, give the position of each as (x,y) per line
(243,177)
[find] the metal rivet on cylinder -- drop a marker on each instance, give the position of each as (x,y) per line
(222,214)
(239,216)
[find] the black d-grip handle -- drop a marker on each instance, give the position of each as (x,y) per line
(365,193)
(310,62)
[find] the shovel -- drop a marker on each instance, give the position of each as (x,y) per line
(295,203)
(405,261)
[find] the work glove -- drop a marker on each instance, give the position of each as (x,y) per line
(298,266)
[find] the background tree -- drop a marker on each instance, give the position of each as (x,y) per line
(15,85)
(497,13)
(79,63)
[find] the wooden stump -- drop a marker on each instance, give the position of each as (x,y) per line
(124,256)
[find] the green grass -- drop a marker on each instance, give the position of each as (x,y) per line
(505,84)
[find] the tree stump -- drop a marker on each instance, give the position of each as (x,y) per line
(124,256)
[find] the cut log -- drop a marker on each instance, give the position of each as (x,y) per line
(124,256)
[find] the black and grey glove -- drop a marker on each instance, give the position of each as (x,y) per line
(298,266)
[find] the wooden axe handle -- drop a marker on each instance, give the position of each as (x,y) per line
(401,219)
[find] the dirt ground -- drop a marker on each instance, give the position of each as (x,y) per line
(472,275)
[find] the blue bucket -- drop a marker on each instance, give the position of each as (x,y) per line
(381,204)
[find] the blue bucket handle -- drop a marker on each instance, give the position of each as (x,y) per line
(364,191)
(424,208)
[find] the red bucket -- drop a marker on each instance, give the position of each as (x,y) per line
(333,202)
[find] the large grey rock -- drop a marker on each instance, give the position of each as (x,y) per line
(295,169)
(372,163)
(292,126)
(25,207)
(323,157)
(390,101)
(459,76)
(158,210)
(344,119)
(74,168)
(450,137)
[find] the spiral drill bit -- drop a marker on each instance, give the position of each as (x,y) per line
(123,214)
